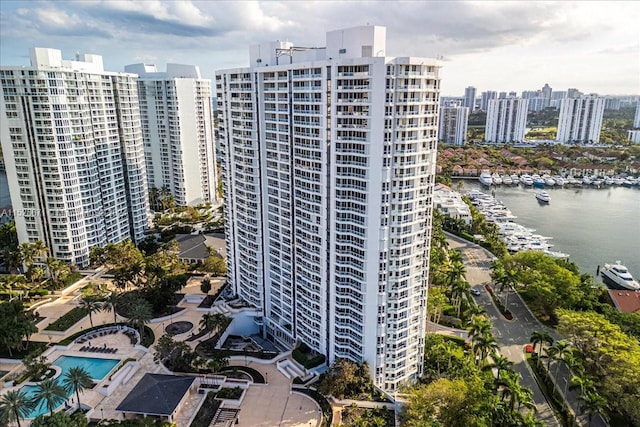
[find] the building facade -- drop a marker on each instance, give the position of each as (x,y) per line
(485,97)
(177,124)
(580,119)
(328,159)
(74,155)
(506,120)
(453,125)
(470,98)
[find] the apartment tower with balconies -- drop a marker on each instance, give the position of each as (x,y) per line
(73,150)
(177,127)
(328,160)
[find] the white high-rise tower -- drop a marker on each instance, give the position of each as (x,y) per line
(177,124)
(453,125)
(328,159)
(580,119)
(506,120)
(74,155)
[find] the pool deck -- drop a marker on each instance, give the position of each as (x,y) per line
(264,405)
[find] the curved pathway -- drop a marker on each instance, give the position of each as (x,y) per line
(511,335)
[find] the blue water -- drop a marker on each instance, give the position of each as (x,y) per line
(594,226)
(97,368)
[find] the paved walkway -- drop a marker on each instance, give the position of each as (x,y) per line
(511,335)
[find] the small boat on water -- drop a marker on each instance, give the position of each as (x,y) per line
(496,179)
(485,178)
(506,180)
(526,180)
(617,276)
(543,197)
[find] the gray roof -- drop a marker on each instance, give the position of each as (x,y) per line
(156,394)
(192,246)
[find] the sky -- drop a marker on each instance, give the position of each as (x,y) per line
(503,46)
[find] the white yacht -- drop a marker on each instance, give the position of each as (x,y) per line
(506,180)
(548,180)
(617,276)
(496,179)
(543,197)
(515,179)
(587,180)
(559,181)
(526,180)
(485,178)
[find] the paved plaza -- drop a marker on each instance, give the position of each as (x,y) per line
(264,405)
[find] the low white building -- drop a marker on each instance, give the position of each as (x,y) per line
(450,203)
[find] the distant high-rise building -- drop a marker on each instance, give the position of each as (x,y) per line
(580,119)
(506,120)
(538,103)
(470,98)
(177,124)
(501,95)
(611,103)
(512,94)
(451,101)
(636,121)
(453,125)
(328,160)
(485,97)
(74,153)
(573,93)
(530,94)
(547,92)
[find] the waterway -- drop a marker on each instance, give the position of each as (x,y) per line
(594,226)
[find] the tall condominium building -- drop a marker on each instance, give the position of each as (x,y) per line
(636,120)
(485,97)
(177,126)
(501,95)
(74,155)
(328,160)
(573,93)
(453,125)
(547,92)
(580,119)
(470,98)
(506,120)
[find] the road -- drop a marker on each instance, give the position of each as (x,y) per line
(511,335)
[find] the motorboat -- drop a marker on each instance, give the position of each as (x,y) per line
(485,178)
(548,180)
(559,181)
(617,276)
(543,197)
(526,180)
(608,181)
(515,179)
(496,179)
(587,180)
(506,180)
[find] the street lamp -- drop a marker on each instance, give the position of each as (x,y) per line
(267,374)
(101,414)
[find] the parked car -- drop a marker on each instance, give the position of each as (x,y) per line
(475,292)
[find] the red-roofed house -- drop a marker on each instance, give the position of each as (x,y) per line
(625,301)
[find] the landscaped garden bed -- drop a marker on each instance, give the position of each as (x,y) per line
(379,417)
(255,375)
(177,328)
(307,357)
(207,411)
(207,349)
(68,320)
(503,310)
(230,393)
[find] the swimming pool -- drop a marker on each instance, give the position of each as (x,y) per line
(97,369)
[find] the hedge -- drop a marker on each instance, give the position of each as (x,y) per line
(68,320)
(301,355)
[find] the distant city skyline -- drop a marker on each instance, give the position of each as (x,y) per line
(500,46)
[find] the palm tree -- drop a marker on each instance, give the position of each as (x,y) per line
(474,311)
(540,337)
(455,256)
(211,322)
(14,405)
(563,348)
(77,379)
(455,272)
(592,403)
(459,289)
(500,363)
(91,305)
(584,384)
(51,392)
(552,353)
(110,303)
(140,313)
(484,345)
(479,326)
